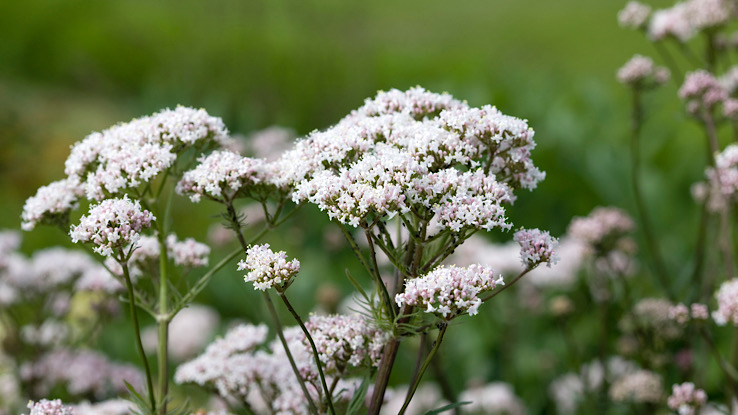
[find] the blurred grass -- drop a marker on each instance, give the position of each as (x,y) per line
(70,67)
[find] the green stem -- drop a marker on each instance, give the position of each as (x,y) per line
(725,366)
(506,286)
(280,334)
(315,350)
(441,331)
(391,306)
(636,123)
(137,330)
(163,319)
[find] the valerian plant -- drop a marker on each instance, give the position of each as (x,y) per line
(407,178)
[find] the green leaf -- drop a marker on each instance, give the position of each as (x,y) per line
(357,401)
(137,400)
(447,408)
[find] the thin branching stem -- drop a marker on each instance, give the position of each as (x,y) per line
(506,286)
(441,331)
(134,317)
(299,321)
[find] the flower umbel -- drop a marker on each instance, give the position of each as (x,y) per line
(449,291)
(536,247)
(268,268)
(111,224)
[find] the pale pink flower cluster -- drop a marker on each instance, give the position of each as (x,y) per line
(683,20)
(127,155)
(496,398)
(641,69)
(270,142)
(702,90)
(685,398)
(727,299)
(345,342)
(401,152)
(449,291)
(112,224)
(52,203)
(145,256)
(603,223)
(82,373)
(655,314)
(47,407)
(536,247)
(681,313)
(237,368)
(187,253)
(268,268)
(642,386)
(723,179)
(221,175)
(49,334)
(634,15)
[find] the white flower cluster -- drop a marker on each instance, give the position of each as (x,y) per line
(108,163)
(47,407)
(639,70)
(129,154)
(722,180)
(685,398)
(111,224)
(681,313)
(402,151)
(727,299)
(52,203)
(449,291)
(345,342)
(536,247)
(642,386)
(220,175)
(601,224)
(496,398)
(236,368)
(634,15)
(82,372)
(268,268)
(684,20)
(701,89)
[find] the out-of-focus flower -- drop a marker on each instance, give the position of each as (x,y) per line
(640,71)
(639,387)
(685,398)
(701,89)
(727,298)
(189,332)
(496,398)
(634,15)
(47,407)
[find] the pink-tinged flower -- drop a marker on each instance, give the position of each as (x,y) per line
(685,398)
(47,407)
(679,313)
(699,311)
(345,342)
(536,247)
(730,108)
(723,179)
(727,298)
(673,22)
(221,175)
(270,142)
(187,253)
(52,203)
(639,70)
(127,155)
(702,89)
(642,386)
(449,291)
(268,268)
(634,15)
(112,224)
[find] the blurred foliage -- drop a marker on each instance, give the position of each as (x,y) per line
(70,67)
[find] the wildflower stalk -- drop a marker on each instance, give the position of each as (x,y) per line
(441,331)
(506,286)
(236,226)
(730,372)
(636,122)
(312,346)
(123,260)
(163,318)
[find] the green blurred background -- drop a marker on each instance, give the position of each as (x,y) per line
(70,67)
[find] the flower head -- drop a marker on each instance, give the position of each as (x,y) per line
(47,407)
(112,224)
(536,247)
(268,268)
(52,203)
(634,15)
(702,89)
(685,398)
(639,387)
(727,298)
(640,71)
(449,291)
